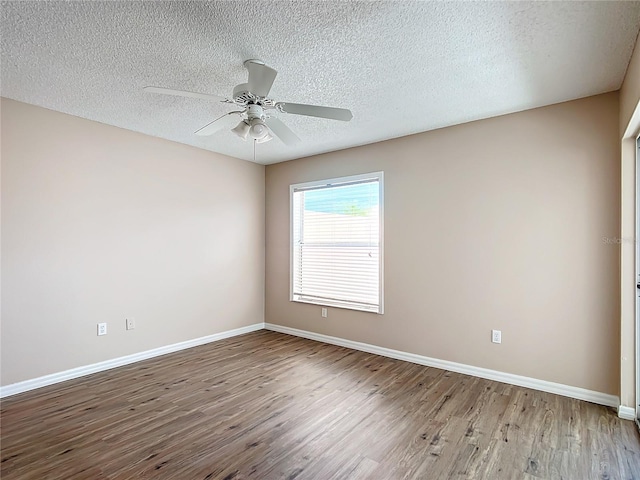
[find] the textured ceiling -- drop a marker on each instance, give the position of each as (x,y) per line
(401,67)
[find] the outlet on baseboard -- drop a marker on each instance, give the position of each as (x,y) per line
(496,336)
(131,323)
(102,329)
(324,312)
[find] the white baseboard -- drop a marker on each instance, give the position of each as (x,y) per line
(542,385)
(533,383)
(34,383)
(627,413)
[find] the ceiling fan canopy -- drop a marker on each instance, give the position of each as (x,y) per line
(257,119)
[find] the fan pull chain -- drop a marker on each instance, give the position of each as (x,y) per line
(254,150)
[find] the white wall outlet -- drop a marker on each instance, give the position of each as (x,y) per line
(324,313)
(496,336)
(131,323)
(102,329)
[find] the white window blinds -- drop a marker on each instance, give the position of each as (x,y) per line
(336,256)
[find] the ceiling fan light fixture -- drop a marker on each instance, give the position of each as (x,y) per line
(242,130)
(265,139)
(258,129)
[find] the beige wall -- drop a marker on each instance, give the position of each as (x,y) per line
(100,223)
(629,129)
(492,224)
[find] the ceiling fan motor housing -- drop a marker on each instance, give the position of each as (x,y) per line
(255,111)
(242,96)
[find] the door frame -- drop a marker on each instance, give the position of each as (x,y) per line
(637,277)
(629,309)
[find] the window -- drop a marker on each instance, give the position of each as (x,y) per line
(336,242)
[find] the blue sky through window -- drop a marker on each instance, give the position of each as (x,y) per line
(352,198)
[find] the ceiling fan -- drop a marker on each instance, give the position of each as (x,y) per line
(256,115)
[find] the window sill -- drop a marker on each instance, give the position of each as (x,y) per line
(338,304)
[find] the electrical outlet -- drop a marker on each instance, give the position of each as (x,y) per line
(131,323)
(102,329)
(324,313)
(496,336)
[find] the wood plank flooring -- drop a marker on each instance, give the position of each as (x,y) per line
(271,406)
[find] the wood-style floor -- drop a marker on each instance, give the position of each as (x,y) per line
(271,406)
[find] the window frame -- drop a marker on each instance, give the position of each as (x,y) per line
(379,176)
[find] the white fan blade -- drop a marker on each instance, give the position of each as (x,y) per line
(182,93)
(261,78)
(281,131)
(225,121)
(316,111)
